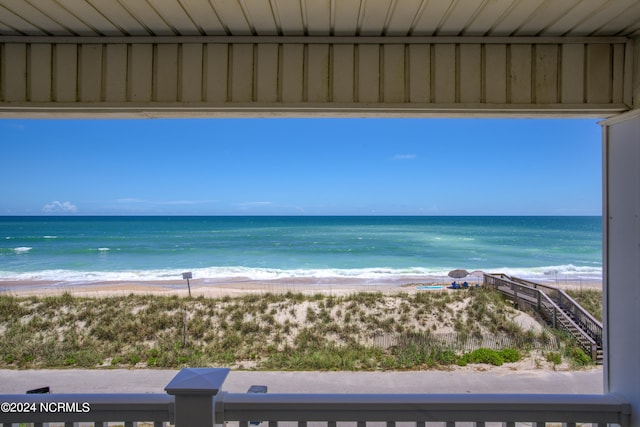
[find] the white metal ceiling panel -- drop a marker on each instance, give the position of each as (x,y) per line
(91,17)
(289,17)
(175,16)
(204,17)
(579,13)
(431,18)
(62,16)
(148,16)
(459,15)
(372,21)
(346,17)
(119,16)
(545,16)
(18,25)
(318,17)
(601,17)
(487,16)
(35,17)
(5,29)
(400,22)
(510,23)
(232,17)
(260,16)
(625,23)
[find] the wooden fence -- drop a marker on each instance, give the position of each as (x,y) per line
(467,342)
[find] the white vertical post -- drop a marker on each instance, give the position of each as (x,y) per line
(194,390)
(621,263)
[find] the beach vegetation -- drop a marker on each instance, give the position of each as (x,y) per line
(361,331)
(577,356)
(590,300)
(554,357)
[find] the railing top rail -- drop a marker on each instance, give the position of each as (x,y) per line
(90,407)
(411,407)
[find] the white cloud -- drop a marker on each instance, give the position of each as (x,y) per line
(186,202)
(56,206)
(404,157)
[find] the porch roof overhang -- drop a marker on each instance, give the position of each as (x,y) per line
(318,57)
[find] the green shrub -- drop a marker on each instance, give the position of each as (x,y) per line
(554,357)
(445,356)
(483,355)
(579,358)
(510,355)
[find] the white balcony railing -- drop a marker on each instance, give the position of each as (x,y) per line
(195,399)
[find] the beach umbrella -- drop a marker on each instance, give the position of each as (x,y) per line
(458,274)
(478,274)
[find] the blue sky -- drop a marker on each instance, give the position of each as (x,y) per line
(301,167)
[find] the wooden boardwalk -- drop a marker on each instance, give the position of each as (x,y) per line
(553,306)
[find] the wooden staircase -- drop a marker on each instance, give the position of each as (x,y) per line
(580,334)
(554,307)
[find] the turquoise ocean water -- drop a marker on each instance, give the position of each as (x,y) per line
(81,249)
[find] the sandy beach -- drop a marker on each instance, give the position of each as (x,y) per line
(242,286)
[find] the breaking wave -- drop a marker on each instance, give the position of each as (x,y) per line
(237,273)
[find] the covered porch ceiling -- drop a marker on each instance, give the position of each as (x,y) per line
(400,18)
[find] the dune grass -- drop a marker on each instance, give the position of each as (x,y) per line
(262,331)
(590,300)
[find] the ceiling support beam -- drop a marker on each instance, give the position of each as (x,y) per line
(249,76)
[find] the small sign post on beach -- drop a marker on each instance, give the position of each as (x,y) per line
(186,276)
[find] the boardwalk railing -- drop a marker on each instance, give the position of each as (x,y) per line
(196,399)
(555,306)
(583,318)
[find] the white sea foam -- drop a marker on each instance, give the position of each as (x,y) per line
(104,249)
(555,273)
(49,237)
(22,250)
(233,274)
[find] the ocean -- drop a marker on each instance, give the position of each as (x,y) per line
(366,249)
